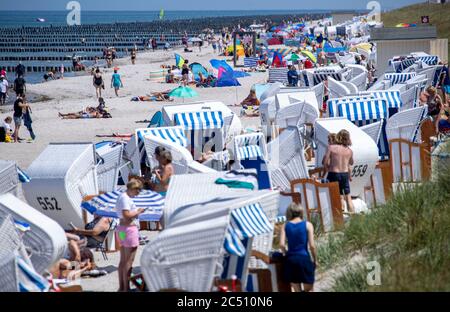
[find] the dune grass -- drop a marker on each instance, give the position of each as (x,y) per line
(409,236)
(439,15)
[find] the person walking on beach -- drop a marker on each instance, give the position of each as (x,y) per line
(98,82)
(128,231)
(299,268)
(19,107)
(185,73)
(20,70)
(133,56)
(116,82)
(338,160)
(20,86)
(61,70)
(154,44)
(3,89)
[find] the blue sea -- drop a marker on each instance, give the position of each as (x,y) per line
(57,18)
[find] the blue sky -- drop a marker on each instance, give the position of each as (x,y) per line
(146,5)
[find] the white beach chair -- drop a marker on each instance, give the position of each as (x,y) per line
(337,89)
(9,179)
(360,81)
(61,176)
(45,239)
(297,114)
(405,124)
(287,159)
(185,257)
(374,130)
(111,157)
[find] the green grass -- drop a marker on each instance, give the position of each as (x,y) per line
(409,237)
(439,15)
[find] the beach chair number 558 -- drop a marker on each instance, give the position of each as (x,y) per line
(359,171)
(48,203)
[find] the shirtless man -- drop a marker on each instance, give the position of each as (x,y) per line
(337,160)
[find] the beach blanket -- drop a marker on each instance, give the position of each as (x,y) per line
(235,179)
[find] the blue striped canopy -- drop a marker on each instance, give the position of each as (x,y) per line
(401,65)
(246,222)
(429,59)
(104,205)
(251,61)
(364,110)
(199,120)
(173,134)
(396,78)
(29,279)
(278,74)
(318,77)
(249,152)
(333,103)
(365,113)
(23,177)
(392,98)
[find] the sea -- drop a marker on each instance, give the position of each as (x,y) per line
(12,19)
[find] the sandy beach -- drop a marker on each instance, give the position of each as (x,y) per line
(75,93)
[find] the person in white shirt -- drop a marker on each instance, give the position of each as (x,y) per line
(3,89)
(7,125)
(128,231)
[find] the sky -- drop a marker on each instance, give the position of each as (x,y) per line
(150,5)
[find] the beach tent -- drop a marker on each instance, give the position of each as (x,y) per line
(226,79)
(217,64)
(197,68)
(61,176)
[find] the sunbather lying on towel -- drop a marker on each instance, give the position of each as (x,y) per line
(89,112)
(155,96)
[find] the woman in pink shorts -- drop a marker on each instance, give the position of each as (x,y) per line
(128,231)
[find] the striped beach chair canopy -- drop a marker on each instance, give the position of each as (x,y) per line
(429,59)
(365,113)
(246,222)
(333,103)
(393,98)
(173,134)
(199,120)
(251,61)
(104,205)
(250,146)
(278,75)
(400,65)
(396,78)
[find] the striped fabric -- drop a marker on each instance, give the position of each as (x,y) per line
(322,76)
(29,280)
(104,205)
(251,61)
(396,78)
(23,177)
(400,66)
(246,222)
(333,103)
(368,112)
(199,120)
(283,51)
(22,226)
(278,75)
(249,152)
(392,98)
(363,111)
(172,134)
(429,60)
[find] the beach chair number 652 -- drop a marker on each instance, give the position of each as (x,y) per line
(359,171)
(46,203)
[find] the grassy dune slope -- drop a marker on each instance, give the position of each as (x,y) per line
(439,15)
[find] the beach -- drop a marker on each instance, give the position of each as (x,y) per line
(75,93)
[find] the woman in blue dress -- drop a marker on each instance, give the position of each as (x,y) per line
(299,268)
(116,82)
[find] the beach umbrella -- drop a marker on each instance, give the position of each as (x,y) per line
(295,57)
(183,92)
(309,55)
(363,46)
(105,205)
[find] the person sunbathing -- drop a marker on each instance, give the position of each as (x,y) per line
(250,100)
(154,96)
(88,112)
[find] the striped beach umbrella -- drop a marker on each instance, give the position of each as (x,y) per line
(105,205)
